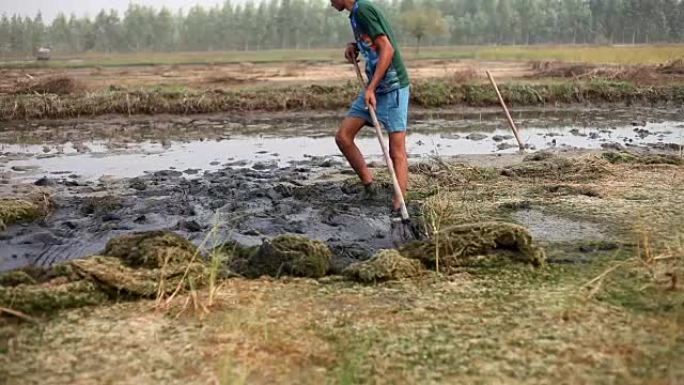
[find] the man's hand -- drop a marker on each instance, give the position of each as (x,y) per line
(352,52)
(370,97)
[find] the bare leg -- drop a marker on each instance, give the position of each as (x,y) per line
(348,130)
(397,144)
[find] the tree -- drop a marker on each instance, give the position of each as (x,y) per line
(504,22)
(4,36)
(422,22)
(163,31)
(108,32)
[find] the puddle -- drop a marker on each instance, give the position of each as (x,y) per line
(126,149)
(552,228)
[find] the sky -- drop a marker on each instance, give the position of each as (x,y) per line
(50,8)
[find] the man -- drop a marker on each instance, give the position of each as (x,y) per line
(387,92)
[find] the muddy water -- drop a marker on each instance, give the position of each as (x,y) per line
(122,148)
(252,178)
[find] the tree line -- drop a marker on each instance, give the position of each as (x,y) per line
(297,24)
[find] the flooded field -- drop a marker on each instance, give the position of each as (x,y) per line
(256,177)
(127,148)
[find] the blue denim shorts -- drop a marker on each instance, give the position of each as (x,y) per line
(392,109)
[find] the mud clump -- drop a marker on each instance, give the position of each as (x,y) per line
(151,250)
(459,245)
(549,166)
(18,210)
(386,265)
(100,205)
(626,157)
(289,255)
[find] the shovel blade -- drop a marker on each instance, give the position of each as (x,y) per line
(403,231)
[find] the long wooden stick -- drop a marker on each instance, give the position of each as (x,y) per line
(385,151)
(17,314)
(508,114)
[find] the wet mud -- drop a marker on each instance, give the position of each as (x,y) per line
(243,205)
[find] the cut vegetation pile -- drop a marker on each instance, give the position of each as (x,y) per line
(387,265)
(582,71)
(626,157)
(674,67)
(157,264)
(21,210)
(460,245)
(144,265)
(57,85)
(545,165)
(289,255)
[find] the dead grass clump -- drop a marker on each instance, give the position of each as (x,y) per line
(289,255)
(465,75)
(229,79)
(21,210)
(461,244)
(147,265)
(562,189)
(673,67)
(152,250)
(448,174)
(553,69)
(618,157)
(16,278)
(58,85)
(386,265)
(115,278)
(548,166)
(100,205)
(582,71)
(626,157)
(51,296)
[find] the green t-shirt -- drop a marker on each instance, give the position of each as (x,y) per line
(368,23)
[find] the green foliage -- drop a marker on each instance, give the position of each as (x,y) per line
(257,25)
(423,22)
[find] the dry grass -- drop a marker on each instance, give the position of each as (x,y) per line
(58,85)
(638,74)
(512,326)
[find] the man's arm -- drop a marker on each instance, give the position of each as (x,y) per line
(386,51)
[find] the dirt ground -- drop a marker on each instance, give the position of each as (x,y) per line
(247,74)
(264,75)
